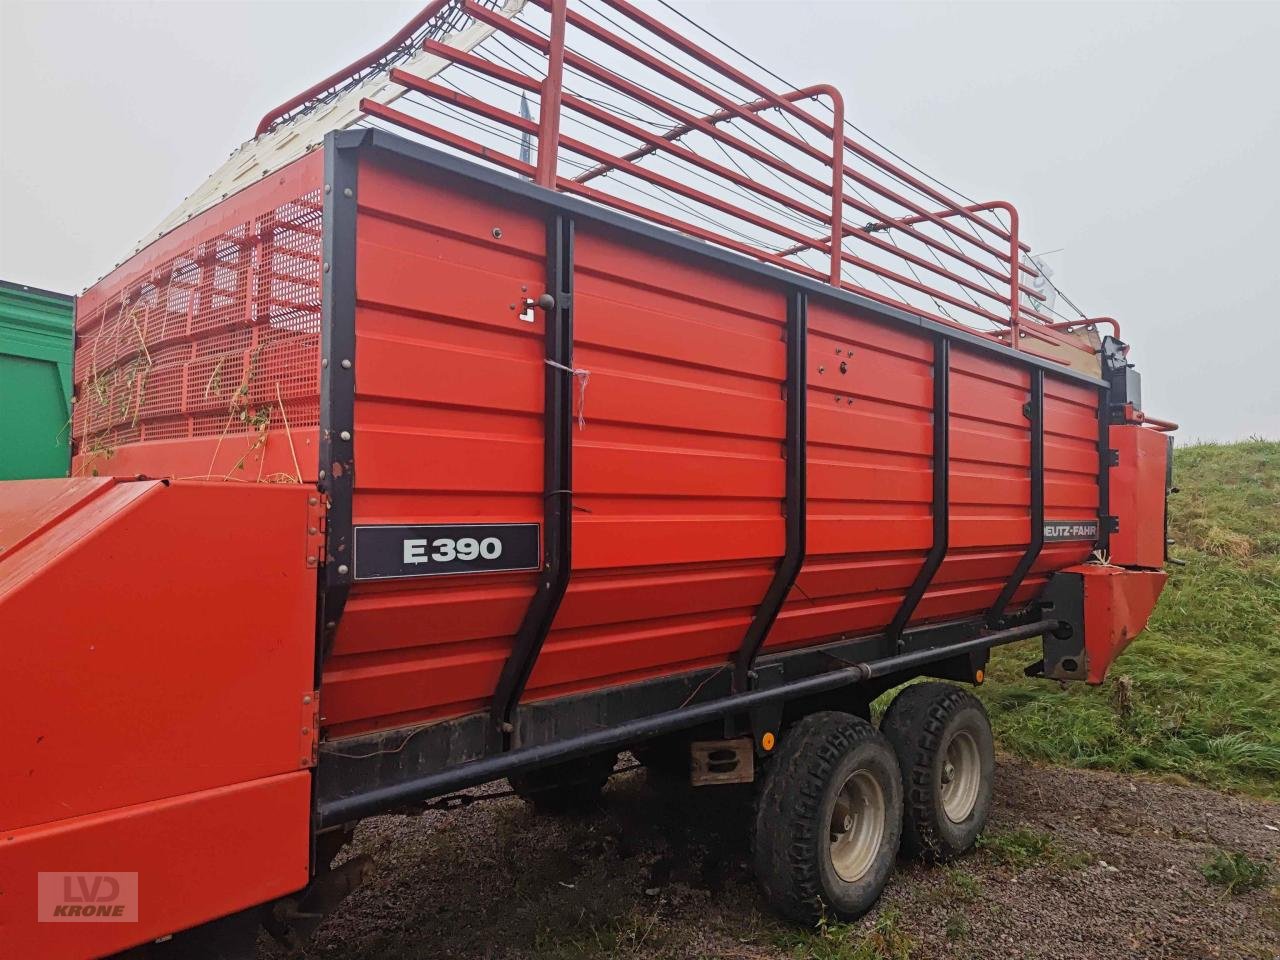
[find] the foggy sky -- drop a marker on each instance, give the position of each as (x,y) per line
(1143,140)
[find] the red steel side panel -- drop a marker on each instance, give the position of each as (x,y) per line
(29,507)
(1138,484)
(198,856)
(1070,471)
(678,471)
(157,641)
(448,427)
(678,460)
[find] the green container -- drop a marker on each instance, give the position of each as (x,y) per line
(37,330)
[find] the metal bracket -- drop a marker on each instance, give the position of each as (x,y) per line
(309,730)
(316,529)
(766,720)
(721,761)
(1064,651)
(336,473)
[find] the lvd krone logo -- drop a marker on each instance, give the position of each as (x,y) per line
(110,897)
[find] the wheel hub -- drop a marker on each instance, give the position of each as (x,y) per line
(961,777)
(857,826)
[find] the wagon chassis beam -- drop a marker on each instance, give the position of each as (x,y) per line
(414,790)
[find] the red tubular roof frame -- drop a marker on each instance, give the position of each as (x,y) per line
(970,231)
(340,77)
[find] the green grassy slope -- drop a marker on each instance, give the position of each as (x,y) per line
(1198,694)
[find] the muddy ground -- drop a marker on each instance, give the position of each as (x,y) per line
(1077,864)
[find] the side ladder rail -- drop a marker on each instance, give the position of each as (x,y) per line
(557,547)
(795,506)
(1035,409)
(941,490)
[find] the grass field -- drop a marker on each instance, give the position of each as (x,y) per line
(1197,696)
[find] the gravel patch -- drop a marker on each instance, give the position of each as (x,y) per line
(1113,870)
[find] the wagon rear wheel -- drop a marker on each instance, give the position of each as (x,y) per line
(829,819)
(946,754)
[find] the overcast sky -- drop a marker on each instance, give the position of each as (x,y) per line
(1141,140)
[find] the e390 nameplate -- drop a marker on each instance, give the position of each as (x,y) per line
(438,550)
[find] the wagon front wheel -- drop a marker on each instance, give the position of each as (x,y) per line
(829,819)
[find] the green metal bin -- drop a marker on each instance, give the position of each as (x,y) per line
(37,332)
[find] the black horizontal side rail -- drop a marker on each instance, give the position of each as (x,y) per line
(557,472)
(796,500)
(1035,410)
(396,795)
(941,491)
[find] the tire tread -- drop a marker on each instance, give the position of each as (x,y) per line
(788,832)
(915,723)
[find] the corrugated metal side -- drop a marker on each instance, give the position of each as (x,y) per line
(199,356)
(448,427)
(678,462)
(36,331)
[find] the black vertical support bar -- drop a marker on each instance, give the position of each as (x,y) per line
(941,490)
(557,473)
(337,380)
(1104,468)
(796,493)
(1036,411)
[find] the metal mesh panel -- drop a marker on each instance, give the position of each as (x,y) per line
(221,340)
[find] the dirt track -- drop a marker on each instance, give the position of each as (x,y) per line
(664,873)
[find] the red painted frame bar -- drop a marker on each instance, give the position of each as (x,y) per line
(675,39)
(1021,321)
(580,147)
(549,105)
(544,46)
(750,112)
(405,32)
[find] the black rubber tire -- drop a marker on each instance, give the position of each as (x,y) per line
(565,788)
(920,723)
(793,817)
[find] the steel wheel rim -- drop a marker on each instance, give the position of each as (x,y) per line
(857,826)
(961,777)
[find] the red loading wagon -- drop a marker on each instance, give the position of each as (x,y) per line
(544,386)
